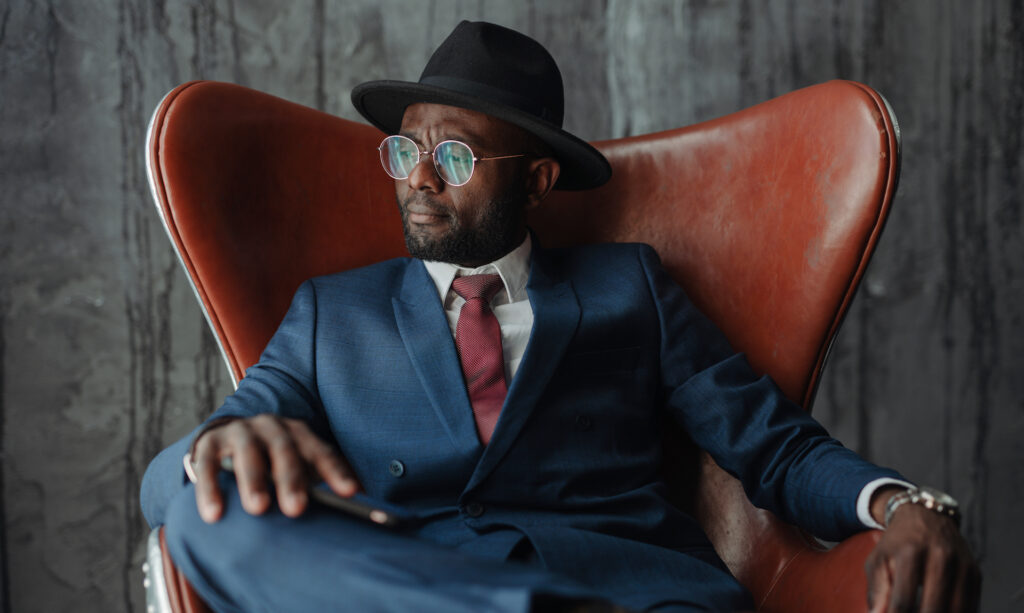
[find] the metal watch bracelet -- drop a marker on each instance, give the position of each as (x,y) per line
(930,498)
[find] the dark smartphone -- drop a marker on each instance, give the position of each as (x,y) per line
(360,505)
(363,507)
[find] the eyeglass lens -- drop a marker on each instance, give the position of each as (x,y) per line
(452,159)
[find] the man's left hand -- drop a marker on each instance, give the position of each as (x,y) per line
(922,564)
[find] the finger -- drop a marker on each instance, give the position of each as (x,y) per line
(250,467)
(326,462)
(973,598)
(879,584)
(206,465)
(906,569)
(940,581)
(287,467)
(966,591)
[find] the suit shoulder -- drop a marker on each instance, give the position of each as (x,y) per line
(611,249)
(380,277)
(606,252)
(597,264)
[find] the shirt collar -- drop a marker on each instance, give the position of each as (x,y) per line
(513,268)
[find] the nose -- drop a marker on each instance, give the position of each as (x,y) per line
(424,176)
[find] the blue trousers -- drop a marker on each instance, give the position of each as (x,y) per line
(328,561)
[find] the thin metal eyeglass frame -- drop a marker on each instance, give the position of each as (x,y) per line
(433,156)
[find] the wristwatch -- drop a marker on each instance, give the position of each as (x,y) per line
(929,498)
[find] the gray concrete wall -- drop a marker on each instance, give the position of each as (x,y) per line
(105,357)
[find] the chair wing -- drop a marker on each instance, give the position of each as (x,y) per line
(767,217)
(258,194)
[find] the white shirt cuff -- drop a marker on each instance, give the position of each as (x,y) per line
(864,500)
(188,467)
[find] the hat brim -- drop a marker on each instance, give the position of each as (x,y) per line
(383,103)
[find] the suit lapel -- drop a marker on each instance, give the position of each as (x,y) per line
(424,330)
(556,313)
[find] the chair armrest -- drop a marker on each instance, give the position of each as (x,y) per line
(157,598)
(167,590)
(832,580)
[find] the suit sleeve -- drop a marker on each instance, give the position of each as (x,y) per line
(785,459)
(283,382)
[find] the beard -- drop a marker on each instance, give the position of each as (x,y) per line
(498,231)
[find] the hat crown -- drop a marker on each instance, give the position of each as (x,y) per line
(496,63)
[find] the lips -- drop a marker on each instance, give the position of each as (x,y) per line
(424,218)
(422,214)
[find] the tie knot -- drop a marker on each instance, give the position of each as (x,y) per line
(477,286)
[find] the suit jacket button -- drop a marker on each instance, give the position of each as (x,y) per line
(474,509)
(396,468)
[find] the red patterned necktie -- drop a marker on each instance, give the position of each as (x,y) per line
(478,340)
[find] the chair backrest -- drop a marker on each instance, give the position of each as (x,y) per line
(767,217)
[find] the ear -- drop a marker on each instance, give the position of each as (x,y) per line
(542,173)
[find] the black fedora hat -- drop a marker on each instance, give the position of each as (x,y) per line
(500,72)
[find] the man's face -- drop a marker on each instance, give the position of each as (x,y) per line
(474,223)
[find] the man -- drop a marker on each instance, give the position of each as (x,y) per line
(509,399)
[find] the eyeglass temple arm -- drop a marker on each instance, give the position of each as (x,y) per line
(500,157)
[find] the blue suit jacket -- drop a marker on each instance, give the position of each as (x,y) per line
(367,358)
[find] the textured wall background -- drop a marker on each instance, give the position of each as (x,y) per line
(105,357)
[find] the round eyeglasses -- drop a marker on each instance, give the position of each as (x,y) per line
(453,160)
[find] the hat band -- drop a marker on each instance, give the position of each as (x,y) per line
(493,94)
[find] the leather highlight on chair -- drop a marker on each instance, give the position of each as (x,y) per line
(767,217)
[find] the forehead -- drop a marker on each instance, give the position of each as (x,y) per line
(443,121)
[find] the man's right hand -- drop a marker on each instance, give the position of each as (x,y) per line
(283,449)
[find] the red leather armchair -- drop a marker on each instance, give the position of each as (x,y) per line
(767,216)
